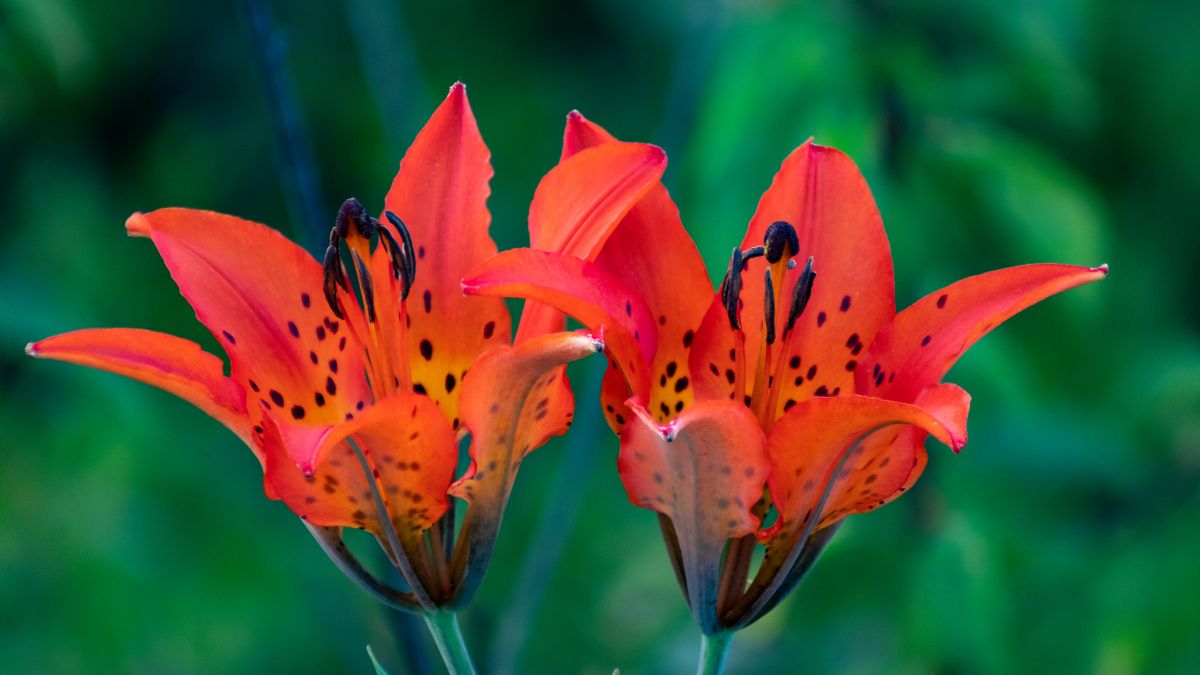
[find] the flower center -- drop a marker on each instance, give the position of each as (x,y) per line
(382,291)
(780,245)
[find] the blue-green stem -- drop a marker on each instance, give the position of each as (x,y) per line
(714,650)
(443,625)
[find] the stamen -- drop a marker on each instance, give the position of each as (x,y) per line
(801,292)
(780,241)
(731,287)
(352,212)
(407,254)
(769,313)
(334,277)
(367,286)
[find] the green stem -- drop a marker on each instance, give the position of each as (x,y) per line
(714,649)
(444,628)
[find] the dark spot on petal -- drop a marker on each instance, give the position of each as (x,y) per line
(427,299)
(319,398)
(925,340)
(687,339)
(794,362)
(671,368)
(851,365)
(229,336)
(788,406)
(342,344)
(312,356)
(450,382)
(488,329)
(821,391)
(820,319)
(298,412)
(333,365)
(628,308)
(293,329)
(620,420)
(254,385)
(845,303)
(812,372)
(330,386)
(941,301)
(426,348)
(731,376)
(713,368)
(681,384)
(305,300)
(276,397)
(418,388)
(662,320)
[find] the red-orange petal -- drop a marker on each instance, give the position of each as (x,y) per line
(889,461)
(652,252)
(507,406)
(261,296)
(170,363)
(703,471)
(823,195)
(441,194)
(599,300)
(817,443)
(917,348)
(579,202)
(409,449)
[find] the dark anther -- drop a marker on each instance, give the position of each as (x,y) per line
(769,311)
(780,242)
(368,288)
(731,287)
(801,292)
(334,277)
(408,253)
(352,212)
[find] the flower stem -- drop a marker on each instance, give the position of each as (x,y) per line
(443,626)
(714,649)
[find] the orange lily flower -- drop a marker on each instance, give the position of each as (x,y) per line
(775,407)
(353,383)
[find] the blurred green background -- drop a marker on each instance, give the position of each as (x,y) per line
(134,536)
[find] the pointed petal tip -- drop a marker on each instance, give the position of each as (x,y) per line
(1102,269)
(137,225)
(575,116)
(31,349)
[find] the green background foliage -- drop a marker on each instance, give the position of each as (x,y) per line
(134,535)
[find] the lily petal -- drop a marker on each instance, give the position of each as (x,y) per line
(889,461)
(170,363)
(823,195)
(408,448)
(652,252)
(505,407)
(704,471)
(597,299)
(261,296)
(441,194)
(921,344)
(511,404)
(814,450)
